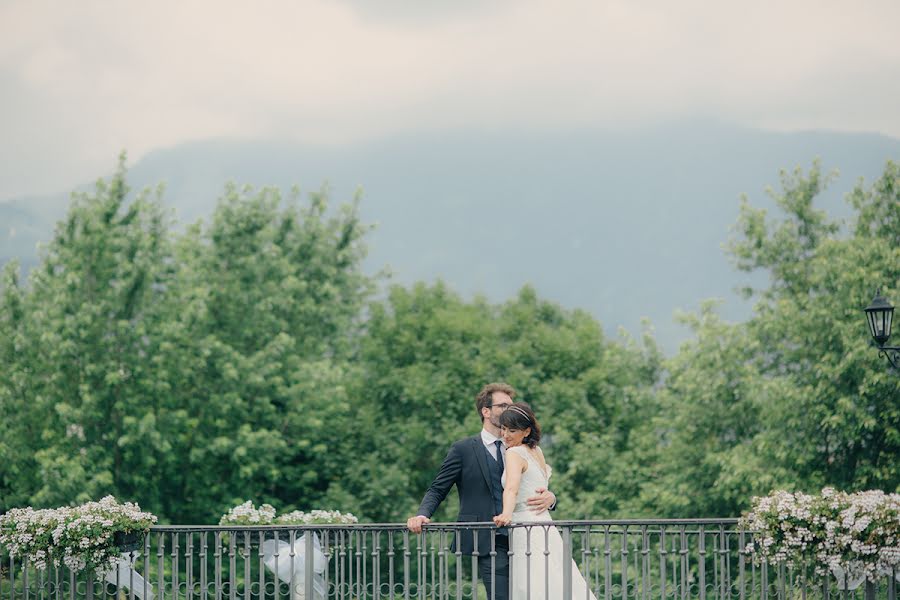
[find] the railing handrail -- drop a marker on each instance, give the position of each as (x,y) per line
(613,559)
(448,525)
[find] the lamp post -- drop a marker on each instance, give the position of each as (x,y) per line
(879,314)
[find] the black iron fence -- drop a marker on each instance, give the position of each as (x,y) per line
(619,560)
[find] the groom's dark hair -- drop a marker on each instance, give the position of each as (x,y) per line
(485,398)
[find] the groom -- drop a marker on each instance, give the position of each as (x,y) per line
(475,465)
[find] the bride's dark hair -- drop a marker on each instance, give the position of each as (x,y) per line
(519,416)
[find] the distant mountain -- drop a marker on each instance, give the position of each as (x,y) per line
(625,224)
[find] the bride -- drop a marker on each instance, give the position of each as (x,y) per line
(525,471)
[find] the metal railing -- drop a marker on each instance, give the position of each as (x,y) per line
(619,559)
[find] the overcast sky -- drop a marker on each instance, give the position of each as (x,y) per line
(83,80)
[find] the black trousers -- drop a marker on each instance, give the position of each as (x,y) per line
(496,573)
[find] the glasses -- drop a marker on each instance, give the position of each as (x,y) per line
(500,406)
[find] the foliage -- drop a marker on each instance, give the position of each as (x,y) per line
(181,368)
(810,330)
(793,398)
(75,348)
(247,356)
(708,417)
(427,353)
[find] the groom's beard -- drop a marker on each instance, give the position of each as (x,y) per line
(495,421)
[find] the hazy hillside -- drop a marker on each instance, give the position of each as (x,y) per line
(624,224)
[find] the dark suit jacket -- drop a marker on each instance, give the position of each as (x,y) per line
(465,466)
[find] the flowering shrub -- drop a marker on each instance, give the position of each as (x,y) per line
(247,514)
(79,537)
(859,532)
(316,517)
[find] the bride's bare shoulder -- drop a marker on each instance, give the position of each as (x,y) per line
(516,455)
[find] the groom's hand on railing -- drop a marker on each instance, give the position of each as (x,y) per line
(414,524)
(541,501)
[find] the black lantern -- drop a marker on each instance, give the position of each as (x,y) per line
(880,314)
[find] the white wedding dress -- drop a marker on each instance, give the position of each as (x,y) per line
(543,579)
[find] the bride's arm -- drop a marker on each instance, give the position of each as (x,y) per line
(515,466)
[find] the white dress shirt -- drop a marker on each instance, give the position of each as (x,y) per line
(488,439)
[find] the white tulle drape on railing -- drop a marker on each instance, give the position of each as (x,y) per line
(124,576)
(287,566)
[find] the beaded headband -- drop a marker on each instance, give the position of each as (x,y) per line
(520,410)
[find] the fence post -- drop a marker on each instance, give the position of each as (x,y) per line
(870,589)
(308,561)
(567,563)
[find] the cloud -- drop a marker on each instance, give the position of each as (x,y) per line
(97,76)
(424,13)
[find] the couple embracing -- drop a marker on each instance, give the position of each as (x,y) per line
(501,476)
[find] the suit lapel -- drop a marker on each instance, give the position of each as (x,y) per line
(481,458)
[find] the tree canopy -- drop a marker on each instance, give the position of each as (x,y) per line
(250,357)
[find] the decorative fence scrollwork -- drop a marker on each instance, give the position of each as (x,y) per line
(701,559)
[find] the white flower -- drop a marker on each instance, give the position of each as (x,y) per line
(832,529)
(75,431)
(246,513)
(45,536)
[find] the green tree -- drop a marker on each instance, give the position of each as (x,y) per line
(182,371)
(19,422)
(245,358)
(261,352)
(706,460)
(794,397)
(79,338)
(427,353)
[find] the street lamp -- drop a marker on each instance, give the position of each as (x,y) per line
(879,314)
